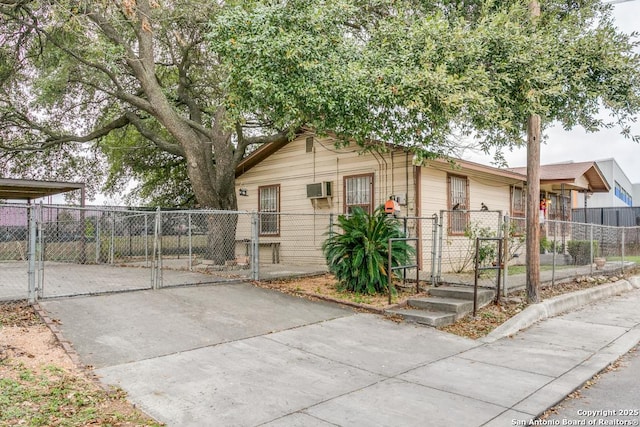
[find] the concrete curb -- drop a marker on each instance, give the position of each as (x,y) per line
(560,304)
(67,346)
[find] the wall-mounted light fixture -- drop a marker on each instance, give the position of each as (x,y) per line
(243,192)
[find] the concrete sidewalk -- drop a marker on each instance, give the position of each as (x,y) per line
(236,355)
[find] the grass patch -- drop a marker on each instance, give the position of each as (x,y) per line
(50,396)
(634,258)
(522,269)
(44,391)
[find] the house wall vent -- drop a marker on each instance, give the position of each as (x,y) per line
(319,190)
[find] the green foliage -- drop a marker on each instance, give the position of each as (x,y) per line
(161,178)
(545,244)
(487,251)
(109,91)
(415,73)
(581,250)
(358,256)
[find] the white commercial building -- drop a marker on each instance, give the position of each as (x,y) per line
(623,192)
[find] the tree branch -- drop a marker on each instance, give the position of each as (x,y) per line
(56,140)
(159,142)
(245,142)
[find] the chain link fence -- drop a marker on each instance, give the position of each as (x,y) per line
(14,253)
(425,229)
(456,250)
(570,249)
(13,233)
(93,250)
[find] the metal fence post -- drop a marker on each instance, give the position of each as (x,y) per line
(434,247)
(440,238)
(146,239)
(555,249)
(40,251)
(505,256)
(190,242)
(331,224)
(255,246)
(32,255)
(156,254)
(500,235)
(590,247)
(622,263)
(112,239)
(98,239)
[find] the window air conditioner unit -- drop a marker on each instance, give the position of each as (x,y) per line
(319,190)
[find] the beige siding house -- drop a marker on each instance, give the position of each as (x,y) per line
(298,185)
(366,179)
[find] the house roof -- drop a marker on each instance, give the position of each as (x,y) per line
(470,167)
(583,176)
(23,189)
(476,168)
(569,174)
(259,155)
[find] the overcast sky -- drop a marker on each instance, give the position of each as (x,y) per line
(579,146)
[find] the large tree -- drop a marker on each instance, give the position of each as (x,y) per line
(132,75)
(173,89)
(420,73)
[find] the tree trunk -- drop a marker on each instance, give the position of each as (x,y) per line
(215,192)
(221,237)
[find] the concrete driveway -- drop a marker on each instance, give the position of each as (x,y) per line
(238,355)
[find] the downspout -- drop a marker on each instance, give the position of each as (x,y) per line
(417,180)
(382,168)
(392,180)
(406,182)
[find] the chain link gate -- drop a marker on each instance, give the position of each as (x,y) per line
(68,250)
(456,247)
(425,229)
(14,252)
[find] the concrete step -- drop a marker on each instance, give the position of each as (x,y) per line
(438,304)
(425,317)
(463,293)
(445,305)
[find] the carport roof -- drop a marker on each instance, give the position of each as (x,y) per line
(23,189)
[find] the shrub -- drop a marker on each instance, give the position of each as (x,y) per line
(580,250)
(358,256)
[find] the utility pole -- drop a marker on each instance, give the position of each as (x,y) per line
(533,193)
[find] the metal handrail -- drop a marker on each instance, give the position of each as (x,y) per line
(401,267)
(478,269)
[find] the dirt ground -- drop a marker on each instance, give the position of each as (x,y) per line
(488,318)
(40,385)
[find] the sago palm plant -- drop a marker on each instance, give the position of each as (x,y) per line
(358,256)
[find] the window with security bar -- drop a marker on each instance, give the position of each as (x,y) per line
(269,208)
(358,192)
(558,207)
(458,203)
(518,202)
